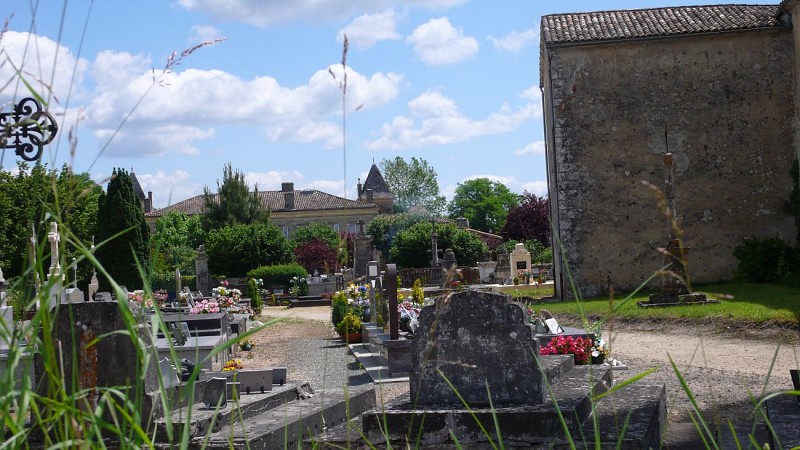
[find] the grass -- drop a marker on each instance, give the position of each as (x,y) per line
(753,303)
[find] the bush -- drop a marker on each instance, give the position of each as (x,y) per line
(237,249)
(167,281)
(278,275)
(766,260)
(338,308)
(417,293)
(410,247)
(350,324)
(255,296)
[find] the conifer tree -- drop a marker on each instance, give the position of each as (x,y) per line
(233,204)
(120,218)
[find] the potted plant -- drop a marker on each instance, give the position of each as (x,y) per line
(350,328)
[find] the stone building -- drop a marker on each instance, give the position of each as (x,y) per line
(714,86)
(290,209)
(375,190)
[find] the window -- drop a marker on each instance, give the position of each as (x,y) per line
(352,228)
(286,232)
(336,227)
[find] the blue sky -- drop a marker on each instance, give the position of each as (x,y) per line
(452,81)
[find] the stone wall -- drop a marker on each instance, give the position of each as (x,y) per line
(725,102)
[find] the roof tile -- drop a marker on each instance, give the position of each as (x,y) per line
(655,22)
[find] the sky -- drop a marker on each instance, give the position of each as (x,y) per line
(175,89)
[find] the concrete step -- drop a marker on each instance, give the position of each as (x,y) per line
(643,405)
(202,420)
(292,422)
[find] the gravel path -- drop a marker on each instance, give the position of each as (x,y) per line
(721,370)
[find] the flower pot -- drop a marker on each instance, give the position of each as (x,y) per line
(599,359)
(352,338)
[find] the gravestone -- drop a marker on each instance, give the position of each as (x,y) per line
(73,295)
(486,271)
(362,253)
(520,259)
(449,262)
(201,270)
(474,338)
(503,271)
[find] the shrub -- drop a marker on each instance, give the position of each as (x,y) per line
(410,246)
(350,324)
(765,260)
(338,308)
(237,249)
(167,281)
(278,275)
(417,293)
(255,296)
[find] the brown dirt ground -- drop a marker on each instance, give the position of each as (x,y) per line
(723,362)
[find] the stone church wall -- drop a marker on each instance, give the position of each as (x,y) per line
(725,102)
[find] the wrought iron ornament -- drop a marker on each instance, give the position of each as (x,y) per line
(27,129)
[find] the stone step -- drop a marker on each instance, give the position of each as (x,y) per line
(292,422)
(202,419)
(528,425)
(642,404)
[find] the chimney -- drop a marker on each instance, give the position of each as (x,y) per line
(462,222)
(358,189)
(148,202)
(288,196)
(370,196)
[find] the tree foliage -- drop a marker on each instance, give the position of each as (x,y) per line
(233,251)
(384,227)
(174,243)
(413,184)
(315,231)
(233,204)
(316,254)
(35,196)
(484,202)
(411,247)
(123,233)
(529,220)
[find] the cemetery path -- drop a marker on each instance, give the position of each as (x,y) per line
(722,365)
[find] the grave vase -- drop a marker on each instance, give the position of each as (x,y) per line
(352,338)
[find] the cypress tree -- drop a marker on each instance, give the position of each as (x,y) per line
(120,216)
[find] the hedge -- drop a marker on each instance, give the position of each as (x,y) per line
(167,281)
(278,275)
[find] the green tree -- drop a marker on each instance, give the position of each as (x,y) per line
(484,202)
(233,251)
(529,220)
(384,227)
(123,233)
(36,196)
(411,247)
(413,184)
(315,231)
(233,204)
(174,243)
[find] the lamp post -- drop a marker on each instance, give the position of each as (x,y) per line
(372,275)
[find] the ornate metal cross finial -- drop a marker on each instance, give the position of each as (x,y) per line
(27,129)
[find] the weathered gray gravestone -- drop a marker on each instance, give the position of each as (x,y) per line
(201,271)
(474,338)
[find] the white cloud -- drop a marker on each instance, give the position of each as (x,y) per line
(271,180)
(204,33)
(514,41)
(366,30)
(437,42)
(46,66)
(167,187)
(536,187)
(194,101)
(534,148)
(266,13)
(440,122)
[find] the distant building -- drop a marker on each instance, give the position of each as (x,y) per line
(290,209)
(716,86)
(147,202)
(375,190)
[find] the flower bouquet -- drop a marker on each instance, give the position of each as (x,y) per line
(161,296)
(246,345)
(140,299)
(232,365)
(205,307)
(565,345)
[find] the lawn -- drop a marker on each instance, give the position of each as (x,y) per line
(757,303)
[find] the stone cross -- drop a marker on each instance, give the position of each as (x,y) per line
(54,238)
(94,285)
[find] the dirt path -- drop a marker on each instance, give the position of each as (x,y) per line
(722,368)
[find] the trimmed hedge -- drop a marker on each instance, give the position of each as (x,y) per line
(280,274)
(167,281)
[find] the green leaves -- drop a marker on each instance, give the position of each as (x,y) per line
(484,203)
(413,184)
